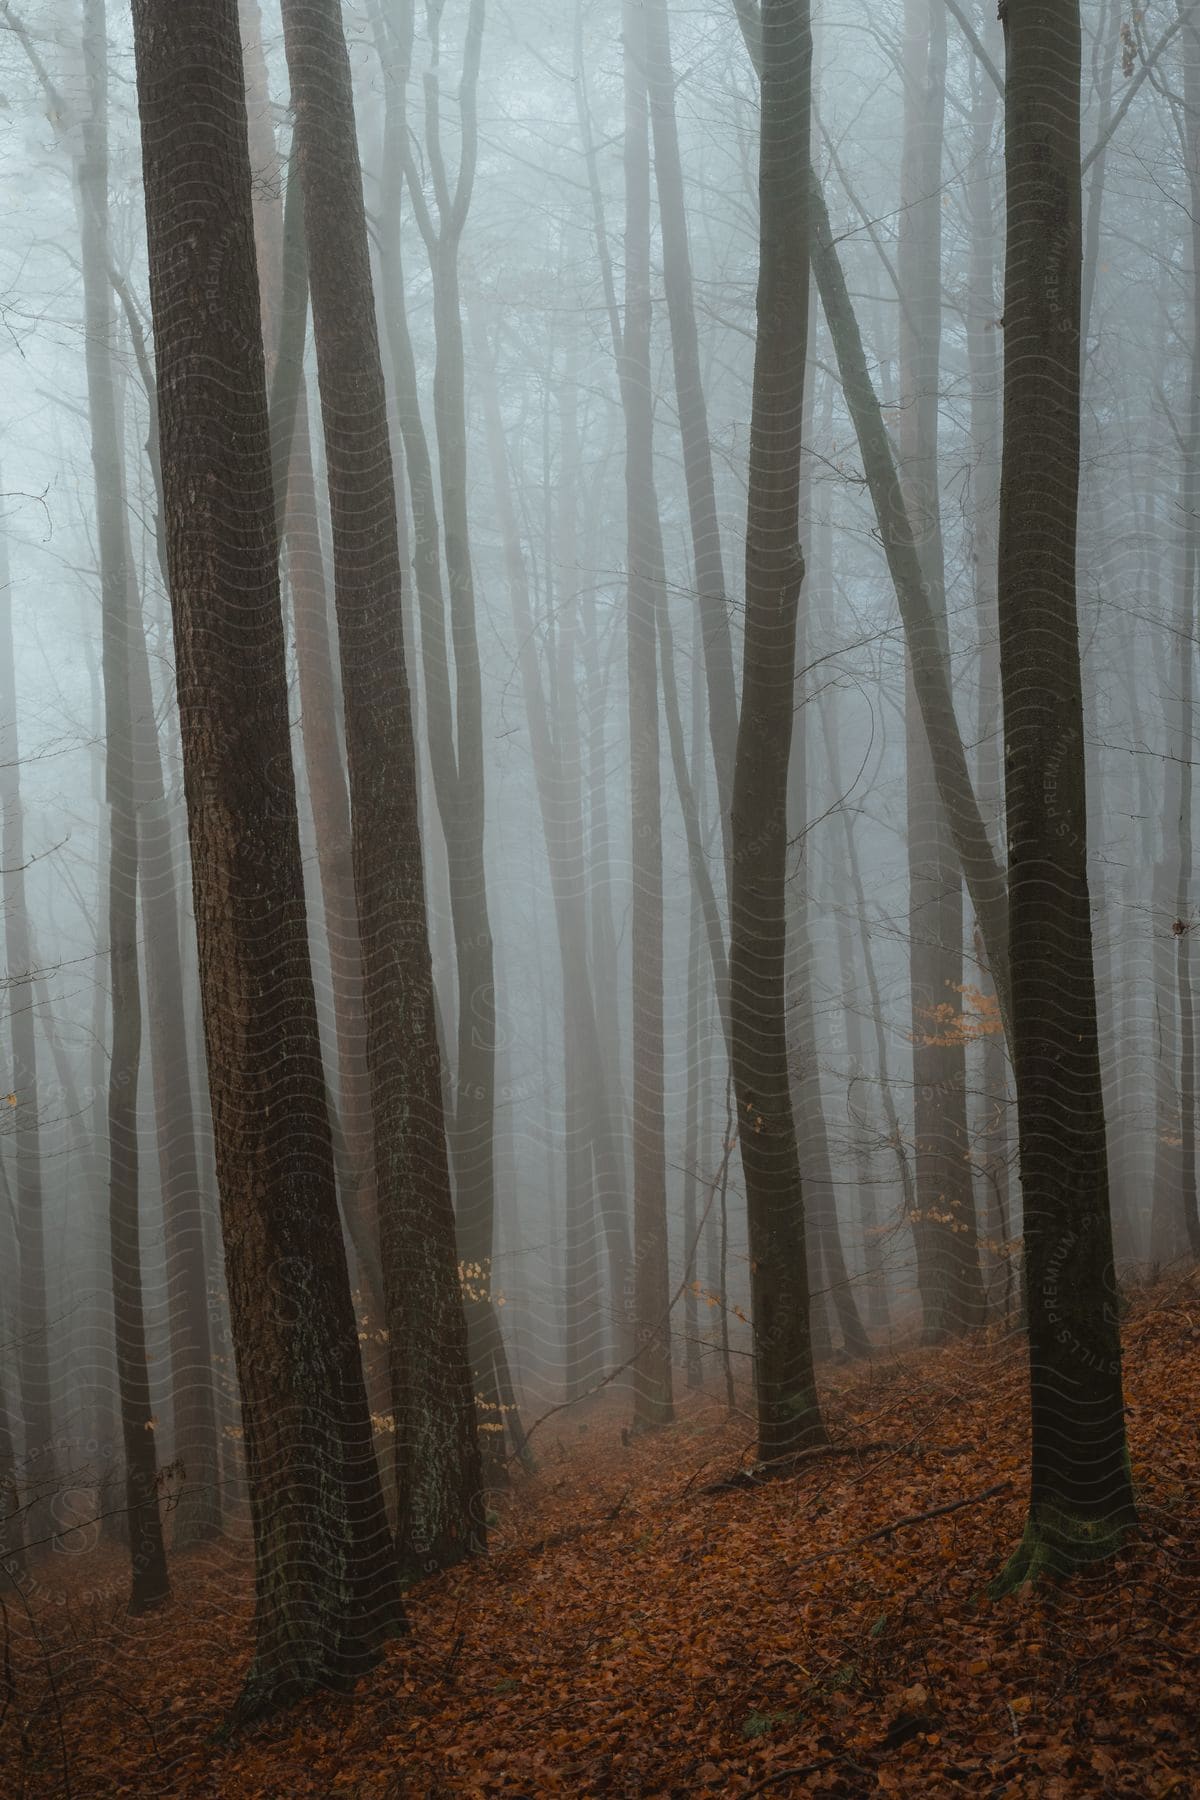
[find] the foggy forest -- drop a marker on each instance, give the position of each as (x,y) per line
(598,1047)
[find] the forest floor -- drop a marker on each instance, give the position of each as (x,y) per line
(633,1633)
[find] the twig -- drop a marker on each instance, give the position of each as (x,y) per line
(763,1474)
(886,1531)
(812,1768)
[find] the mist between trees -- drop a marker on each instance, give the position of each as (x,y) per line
(597,631)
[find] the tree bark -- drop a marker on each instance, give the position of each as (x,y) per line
(653,1404)
(325,1591)
(944,1225)
(439,1516)
(39,1464)
(983,361)
(983,875)
(454,721)
(1081,1497)
(711,595)
(789,1417)
(149,1580)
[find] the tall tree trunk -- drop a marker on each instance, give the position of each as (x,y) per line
(711,593)
(454,723)
(150,1583)
(284,284)
(697,1052)
(1081,1497)
(652,1370)
(12,1544)
(197,1513)
(39,1462)
(895,1133)
(831,1282)
(592,1122)
(437,1453)
(944,1227)
(983,361)
(931,678)
(325,1588)
(1180,782)
(789,1417)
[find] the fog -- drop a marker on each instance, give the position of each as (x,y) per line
(548,234)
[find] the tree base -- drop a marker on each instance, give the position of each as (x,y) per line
(1058,1544)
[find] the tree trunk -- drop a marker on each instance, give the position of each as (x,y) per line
(652,1371)
(39,1465)
(150,1583)
(931,678)
(711,594)
(831,1283)
(944,1227)
(197,1513)
(325,1590)
(592,1131)
(437,1452)
(1081,1498)
(1180,776)
(789,1417)
(455,724)
(983,361)
(284,286)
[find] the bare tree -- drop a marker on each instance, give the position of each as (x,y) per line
(437,1451)
(789,1417)
(150,1583)
(653,1404)
(1081,1498)
(699,478)
(39,1462)
(325,1589)
(944,1227)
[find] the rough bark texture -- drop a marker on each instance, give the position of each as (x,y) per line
(981,871)
(1081,1497)
(439,1517)
(788,1415)
(283,281)
(325,1591)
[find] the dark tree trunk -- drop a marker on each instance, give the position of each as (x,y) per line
(931,676)
(983,361)
(150,1583)
(789,1417)
(653,1403)
(944,1227)
(439,1518)
(1081,1498)
(325,1588)
(283,280)
(39,1465)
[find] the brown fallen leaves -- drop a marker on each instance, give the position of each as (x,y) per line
(634,1635)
